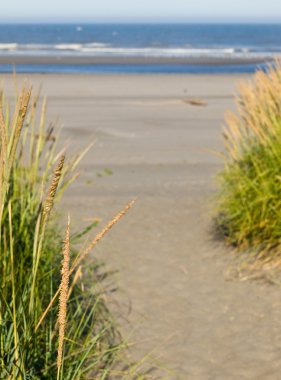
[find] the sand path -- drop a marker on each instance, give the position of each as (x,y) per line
(174,291)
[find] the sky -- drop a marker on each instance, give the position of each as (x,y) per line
(140,10)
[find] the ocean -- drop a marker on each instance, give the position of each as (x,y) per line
(138,48)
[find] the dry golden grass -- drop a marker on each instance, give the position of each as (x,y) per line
(249,203)
(34,341)
(53,187)
(83,254)
(64,288)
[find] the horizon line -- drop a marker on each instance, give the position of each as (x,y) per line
(141,20)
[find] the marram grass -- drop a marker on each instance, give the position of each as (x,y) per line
(249,199)
(64,287)
(53,323)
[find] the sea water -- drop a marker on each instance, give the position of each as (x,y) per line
(222,42)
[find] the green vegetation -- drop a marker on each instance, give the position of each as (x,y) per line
(249,201)
(53,324)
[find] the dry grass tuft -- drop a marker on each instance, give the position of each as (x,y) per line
(64,288)
(82,255)
(18,123)
(53,188)
(249,204)
(29,264)
(98,237)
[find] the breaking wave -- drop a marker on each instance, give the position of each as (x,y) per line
(102,49)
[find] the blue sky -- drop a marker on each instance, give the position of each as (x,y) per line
(133,10)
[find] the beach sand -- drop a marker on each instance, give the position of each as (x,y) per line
(175,295)
(74,59)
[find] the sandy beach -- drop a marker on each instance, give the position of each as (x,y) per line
(74,59)
(175,297)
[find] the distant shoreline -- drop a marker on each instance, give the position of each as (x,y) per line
(105,60)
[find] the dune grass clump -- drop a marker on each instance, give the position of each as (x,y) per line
(53,323)
(249,200)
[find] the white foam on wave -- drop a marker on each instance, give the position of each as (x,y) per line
(157,52)
(98,49)
(80,47)
(96,45)
(68,47)
(8,46)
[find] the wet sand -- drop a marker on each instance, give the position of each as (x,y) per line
(174,290)
(74,59)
